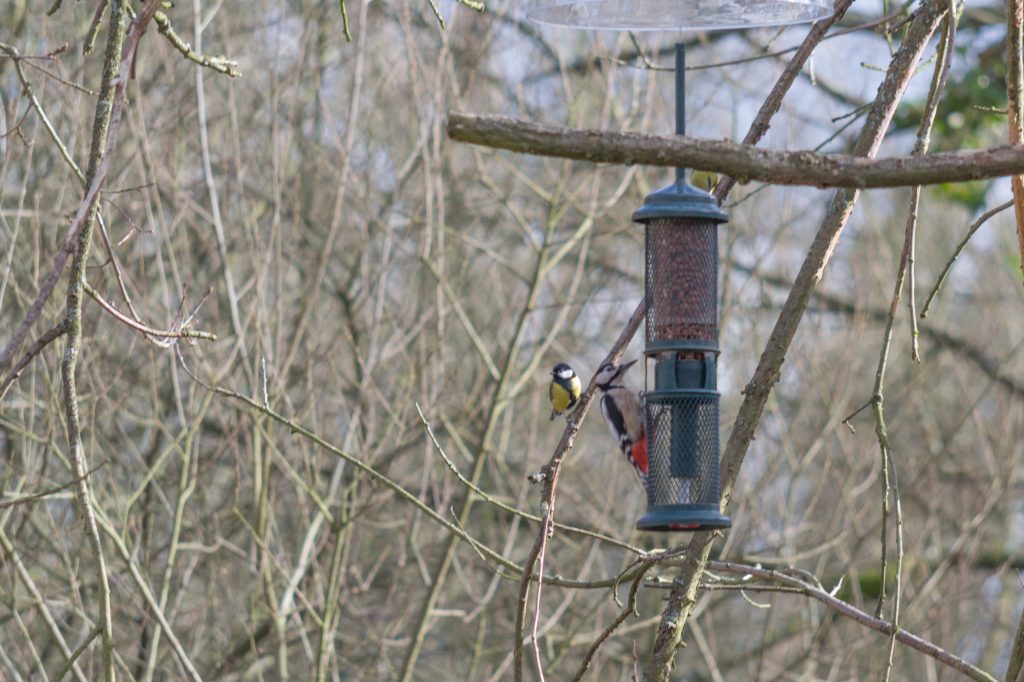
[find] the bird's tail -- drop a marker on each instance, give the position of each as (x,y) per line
(553,415)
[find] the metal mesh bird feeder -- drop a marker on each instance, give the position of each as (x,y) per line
(682,339)
(681,285)
(681,244)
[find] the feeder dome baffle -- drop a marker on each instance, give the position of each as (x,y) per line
(660,15)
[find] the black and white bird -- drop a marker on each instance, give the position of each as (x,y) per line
(624,412)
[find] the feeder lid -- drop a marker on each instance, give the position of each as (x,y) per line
(663,15)
(680,200)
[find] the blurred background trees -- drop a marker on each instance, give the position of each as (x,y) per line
(359,265)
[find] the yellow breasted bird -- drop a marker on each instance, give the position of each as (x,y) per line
(704,180)
(565,389)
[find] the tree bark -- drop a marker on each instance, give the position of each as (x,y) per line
(742,162)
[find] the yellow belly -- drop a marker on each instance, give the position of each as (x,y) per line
(562,398)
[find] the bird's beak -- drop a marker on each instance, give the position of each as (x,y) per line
(628,365)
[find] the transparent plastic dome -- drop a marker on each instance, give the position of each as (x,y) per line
(665,15)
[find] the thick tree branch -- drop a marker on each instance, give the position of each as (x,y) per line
(743,162)
(1015,104)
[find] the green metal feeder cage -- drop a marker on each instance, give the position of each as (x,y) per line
(681,287)
(681,244)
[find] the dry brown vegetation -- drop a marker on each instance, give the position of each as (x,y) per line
(272,504)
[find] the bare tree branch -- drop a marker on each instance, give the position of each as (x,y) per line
(120,55)
(1015,104)
(743,162)
(816,591)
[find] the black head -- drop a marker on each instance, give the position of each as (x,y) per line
(563,371)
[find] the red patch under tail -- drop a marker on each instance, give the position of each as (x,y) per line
(639,455)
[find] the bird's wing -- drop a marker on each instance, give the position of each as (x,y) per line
(575,389)
(633,413)
(613,418)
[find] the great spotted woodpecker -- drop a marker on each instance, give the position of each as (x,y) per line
(624,413)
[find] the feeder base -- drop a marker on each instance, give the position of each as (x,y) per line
(683,517)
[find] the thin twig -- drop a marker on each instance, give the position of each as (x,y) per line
(778,53)
(628,610)
(467,324)
(877,624)
(344,21)
(26,499)
(773,102)
(1016,664)
(46,288)
(905,270)
(66,155)
(94,27)
(40,604)
(944,54)
(191,673)
(220,63)
(211,187)
(975,226)
(48,337)
(490,499)
(139,327)
(647,64)
(888,479)
(68,664)
(544,534)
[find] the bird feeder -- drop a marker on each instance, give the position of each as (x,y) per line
(681,283)
(681,287)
